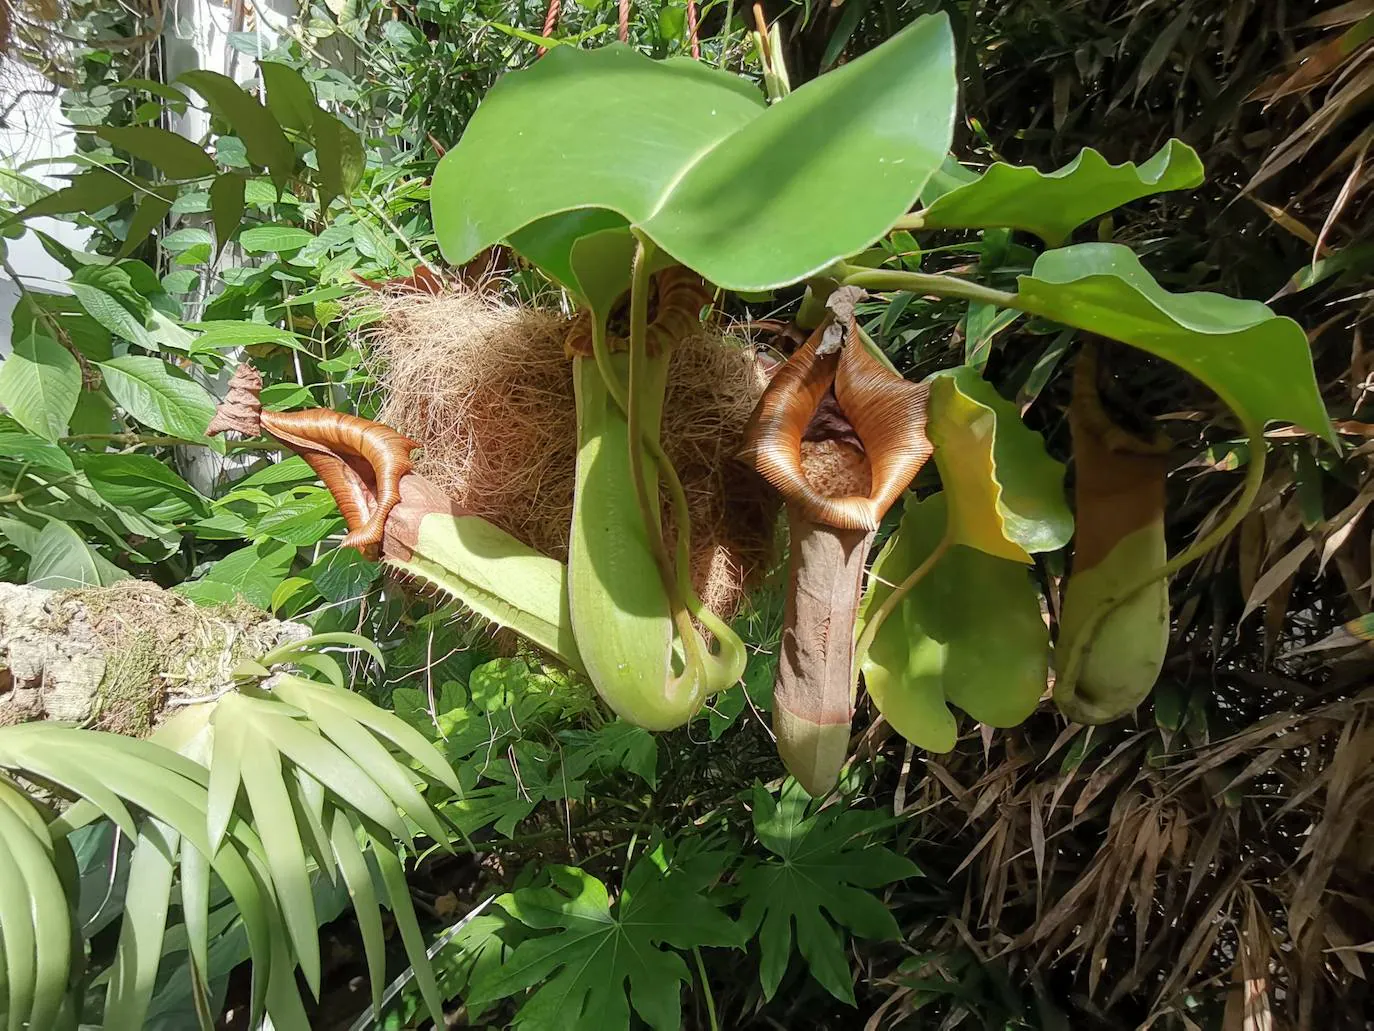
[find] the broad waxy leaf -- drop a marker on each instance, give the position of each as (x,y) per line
(748,196)
(1005,493)
(289,97)
(1257,362)
(142,931)
(340,156)
(1052,205)
(253,571)
(39,384)
(937,647)
(600,951)
(824,862)
(263,239)
(175,155)
(152,209)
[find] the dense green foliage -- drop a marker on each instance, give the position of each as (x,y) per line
(656,874)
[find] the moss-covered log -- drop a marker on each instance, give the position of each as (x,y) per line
(115,658)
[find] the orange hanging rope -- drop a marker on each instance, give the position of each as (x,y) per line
(550,22)
(692,29)
(624,34)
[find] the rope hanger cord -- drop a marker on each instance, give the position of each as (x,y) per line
(623,32)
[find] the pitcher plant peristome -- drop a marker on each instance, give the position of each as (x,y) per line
(841,437)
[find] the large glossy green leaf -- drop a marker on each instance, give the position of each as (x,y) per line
(90,191)
(175,155)
(266,144)
(159,396)
(968,634)
(143,483)
(1257,362)
(39,384)
(62,560)
(1052,205)
(1005,493)
(750,197)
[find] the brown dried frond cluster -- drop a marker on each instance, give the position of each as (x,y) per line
(485,389)
(1167,864)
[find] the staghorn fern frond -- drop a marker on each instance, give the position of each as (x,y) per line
(267,786)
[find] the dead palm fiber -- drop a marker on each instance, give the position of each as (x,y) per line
(485,388)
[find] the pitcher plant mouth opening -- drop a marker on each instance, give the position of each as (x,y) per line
(840,436)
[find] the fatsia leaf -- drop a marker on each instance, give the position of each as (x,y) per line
(1257,362)
(822,863)
(748,196)
(933,651)
(39,385)
(599,952)
(174,155)
(1005,493)
(266,145)
(1053,204)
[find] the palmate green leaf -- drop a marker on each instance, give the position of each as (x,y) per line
(1005,493)
(497,577)
(159,396)
(1257,362)
(134,974)
(823,863)
(266,145)
(35,919)
(61,560)
(39,384)
(599,952)
(933,651)
(750,197)
(1052,205)
(174,155)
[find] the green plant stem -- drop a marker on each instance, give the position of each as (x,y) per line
(1254,479)
(874,622)
(932,285)
(682,520)
(706,989)
(912,221)
(648,508)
